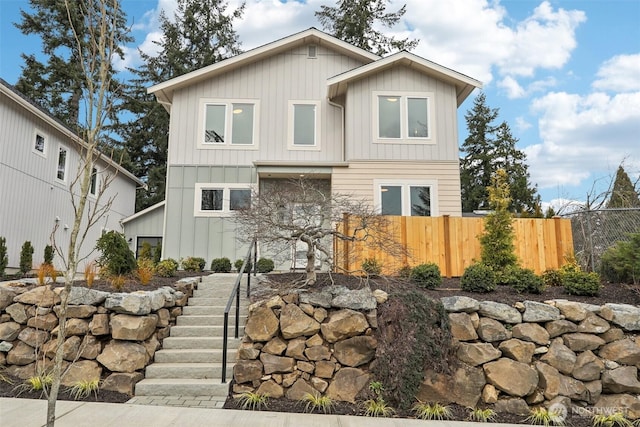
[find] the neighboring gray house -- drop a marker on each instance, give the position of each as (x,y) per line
(384,129)
(38,161)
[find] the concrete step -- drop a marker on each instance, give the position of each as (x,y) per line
(186,387)
(187,371)
(213,302)
(205,320)
(203,331)
(191,355)
(199,342)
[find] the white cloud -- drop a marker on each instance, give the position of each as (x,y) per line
(512,88)
(620,73)
(522,124)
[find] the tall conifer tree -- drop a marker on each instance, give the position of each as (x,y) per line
(623,193)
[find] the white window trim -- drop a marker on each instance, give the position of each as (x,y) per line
(406,184)
(97,189)
(404,137)
(226,188)
(42,153)
(227,145)
(66,164)
(290,121)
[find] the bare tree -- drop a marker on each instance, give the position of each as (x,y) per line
(97,45)
(285,212)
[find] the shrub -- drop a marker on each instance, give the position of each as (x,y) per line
(478,278)
(552,278)
(145,271)
(4,258)
(48,254)
(317,402)
(253,401)
(26,257)
(167,267)
(83,388)
(265,265)
(525,280)
(238,265)
(426,276)
(581,283)
(117,282)
(192,263)
(621,262)
(221,265)
(90,271)
(429,411)
(116,257)
(372,267)
(157,254)
(146,251)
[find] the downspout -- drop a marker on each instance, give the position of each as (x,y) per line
(343,154)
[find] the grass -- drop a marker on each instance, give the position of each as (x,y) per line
(40,382)
(377,408)
(90,273)
(4,378)
(432,411)
(317,402)
(612,420)
(482,415)
(546,417)
(253,401)
(84,388)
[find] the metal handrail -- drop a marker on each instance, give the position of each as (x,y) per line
(235,294)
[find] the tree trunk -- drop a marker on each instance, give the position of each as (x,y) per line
(311,261)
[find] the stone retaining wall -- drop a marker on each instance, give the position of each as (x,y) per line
(112,336)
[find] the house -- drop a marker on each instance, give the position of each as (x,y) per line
(384,129)
(39,159)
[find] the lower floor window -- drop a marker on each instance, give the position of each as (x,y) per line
(405,199)
(215,199)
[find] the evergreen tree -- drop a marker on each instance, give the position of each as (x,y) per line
(487,149)
(58,85)
(353,22)
(200,34)
(623,194)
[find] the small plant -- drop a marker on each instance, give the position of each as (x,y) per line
(372,267)
(221,265)
(43,272)
(193,263)
(525,280)
(4,258)
(376,388)
(48,254)
(611,420)
(116,258)
(157,253)
(482,415)
(238,265)
(317,402)
(621,262)
(265,265)
(377,408)
(167,267)
(83,388)
(90,270)
(146,251)
(546,417)
(478,278)
(435,411)
(145,271)
(26,257)
(581,283)
(253,401)
(40,382)
(117,282)
(552,278)
(426,275)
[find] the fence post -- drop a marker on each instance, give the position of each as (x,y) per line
(447,245)
(345,247)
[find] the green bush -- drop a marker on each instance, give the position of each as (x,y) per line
(167,267)
(157,253)
(192,263)
(116,258)
(426,275)
(372,267)
(4,258)
(621,263)
(146,251)
(478,278)
(265,265)
(221,265)
(552,278)
(581,283)
(26,257)
(238,265)
(525,280)
(48,254)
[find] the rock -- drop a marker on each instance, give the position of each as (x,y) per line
(319,384)
(245,371)
(151,345)
(560,357)
(626,316)
(535,398)
(560,327)
(436,387)
(593,324)
(621,380)
(33,337)
(296,347)
(359,299)
(499,311)
(343,324)
(627,401)
(85,296)
(163,317)
(514,378)
(372,318)
(588,367)
(537,312)
(90,347)
(273,363)
(314,340)
(325,369)
(18,312)
(123,356)
(320,314)
(355,351)
(9,331)
(122,382)
(21,354)
(347,383)
(461,327)
(47,322)
(491,330)
(512,406)
(247,351)
(271,388)
(295,323)
(82,370)
(316,299)
(5,346)
(136,303)
(477,353)
(289,379)
(517,350)
(132,328)
(262,324)
(380,296)
(99,325)
(572,388)
(300,389)
(490,394)
(573,311)
(625,351)
(70,348)
(318,352)
(549,380)
(275,346)
(457,304)
(42,296)
(613,334)
(159,297)
(307,309)
(78,311)
(582,342)
(468,383)
(6,297)
(531,332)
(595,390)
(305,367)
(77,326)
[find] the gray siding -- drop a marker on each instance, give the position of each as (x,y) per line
(151,224)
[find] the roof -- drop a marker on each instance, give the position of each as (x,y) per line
(143,212)
(164,91)
(29,105)
(464,85)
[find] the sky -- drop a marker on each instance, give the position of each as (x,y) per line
(564,74)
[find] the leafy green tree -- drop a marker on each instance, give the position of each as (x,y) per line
(353,21)
(200,34)
(4,258)
(488,148)
(623,194)
(26,257)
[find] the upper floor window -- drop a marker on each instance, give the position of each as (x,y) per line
(304,131)
(403,117)
(40,143)
(406,198)
(221,199)
(93,185)
(61,173)
(229,124)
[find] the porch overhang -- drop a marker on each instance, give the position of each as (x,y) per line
(282,170)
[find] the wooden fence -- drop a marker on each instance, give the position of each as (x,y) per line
(453,243)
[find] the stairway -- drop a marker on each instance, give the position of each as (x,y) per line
(190,361)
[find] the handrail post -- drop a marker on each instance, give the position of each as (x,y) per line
(237,311)
(224,347)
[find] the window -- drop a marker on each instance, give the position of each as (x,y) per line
(406,198)
(303,125)
(221,199)
(40,143)
(404,117)
(94,181)
(229,124)
(62,164)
